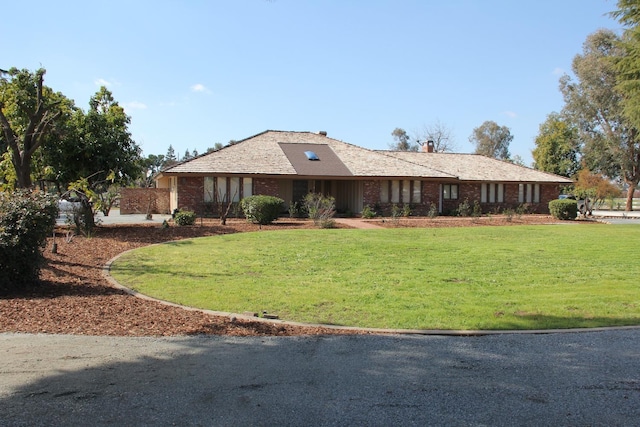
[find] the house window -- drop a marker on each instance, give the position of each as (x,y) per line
(247,187)
(396,191)
(384,191)
(416,191)
(450,191)
(221,188)
(234,189)
(406,191)
(529,193)
(209,189)
(492,193)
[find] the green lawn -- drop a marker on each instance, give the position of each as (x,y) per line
(517,277)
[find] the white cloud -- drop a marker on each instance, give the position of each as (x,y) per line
(558,72)
(200,88)
(102,82)
(510,114)
(134,105)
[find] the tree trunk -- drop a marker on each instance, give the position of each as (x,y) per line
(630,191)
(23,171)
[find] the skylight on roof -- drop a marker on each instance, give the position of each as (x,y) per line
(311,155)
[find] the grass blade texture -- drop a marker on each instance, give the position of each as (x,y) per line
(518,277)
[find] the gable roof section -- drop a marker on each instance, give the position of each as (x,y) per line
(269,153)
(475,167)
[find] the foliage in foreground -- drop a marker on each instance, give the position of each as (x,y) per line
(184,218)
(321,209)
(563,209)
(26,220)
(261,209)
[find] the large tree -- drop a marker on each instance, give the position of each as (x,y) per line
(611,143)
(402,141)
(440,134)
(30,115)
(628,64)
(151,165)
(492,140)
(170,158)
(98,145)
(557,147)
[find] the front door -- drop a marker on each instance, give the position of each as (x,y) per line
(300,189)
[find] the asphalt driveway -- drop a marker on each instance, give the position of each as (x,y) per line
(590,378)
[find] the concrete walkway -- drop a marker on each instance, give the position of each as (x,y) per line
(357,223)
(601,213)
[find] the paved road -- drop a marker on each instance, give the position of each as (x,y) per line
(553,379)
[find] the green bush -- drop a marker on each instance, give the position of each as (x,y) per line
(477,209)
(26,220)
(433,211)
(185,218)
(296,210)
(564,209)
(368,212)
(464,209)
(261,209)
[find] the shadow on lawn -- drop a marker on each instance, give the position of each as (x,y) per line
(527,321)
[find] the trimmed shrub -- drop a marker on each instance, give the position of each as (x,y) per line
(183,218)
(26,220)
(563,209)
(261,209)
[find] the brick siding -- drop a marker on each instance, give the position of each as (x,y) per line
(191,197)
(266,187)
(144,200)
(191,194)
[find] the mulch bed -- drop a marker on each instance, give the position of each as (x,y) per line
(74,297)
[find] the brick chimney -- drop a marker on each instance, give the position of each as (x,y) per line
(428,147)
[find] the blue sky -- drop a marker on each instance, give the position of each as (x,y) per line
(193,73)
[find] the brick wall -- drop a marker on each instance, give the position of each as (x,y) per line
(371,193)
(191,196)
(265,187)
(191,193)
(144,200)
(471,192)
(429,196)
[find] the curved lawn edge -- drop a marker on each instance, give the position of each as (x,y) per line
(106,271)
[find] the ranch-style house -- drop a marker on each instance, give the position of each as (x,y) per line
(291,164)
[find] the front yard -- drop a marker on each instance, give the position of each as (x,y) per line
(520,277)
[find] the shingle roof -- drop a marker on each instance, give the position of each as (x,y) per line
(475,167)
(279,153)
(263,154)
